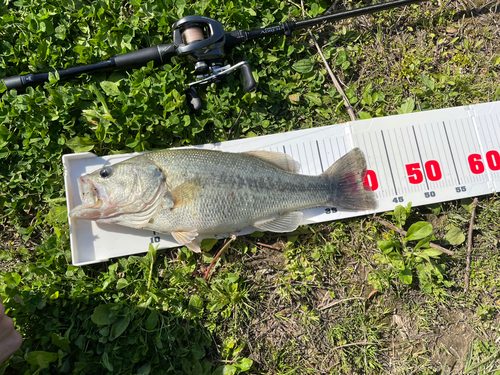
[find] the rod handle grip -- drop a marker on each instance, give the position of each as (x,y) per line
(135,59)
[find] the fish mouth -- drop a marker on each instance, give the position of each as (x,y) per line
(93,200)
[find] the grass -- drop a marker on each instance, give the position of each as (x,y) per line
(331,299)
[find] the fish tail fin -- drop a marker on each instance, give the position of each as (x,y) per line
(347,177)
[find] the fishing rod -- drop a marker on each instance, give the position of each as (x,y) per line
(204,41)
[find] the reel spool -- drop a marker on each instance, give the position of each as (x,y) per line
(202,40)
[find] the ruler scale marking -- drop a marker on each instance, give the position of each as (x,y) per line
(379,149)
(306,157)
(319,155)
(472,134)
(451,153)
(326,153)
(448,157)
(392,146)
(372,149)
(420,156)
(389,163)
(461,130)
(447,179)
(410,188)
(410,157)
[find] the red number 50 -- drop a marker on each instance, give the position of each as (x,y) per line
(432,171)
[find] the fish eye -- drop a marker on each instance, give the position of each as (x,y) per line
(106,172)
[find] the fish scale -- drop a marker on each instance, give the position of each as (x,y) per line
(247,189)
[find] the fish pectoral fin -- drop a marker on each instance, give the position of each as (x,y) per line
(282,161)
(284,223)
(188,239)
(186,193)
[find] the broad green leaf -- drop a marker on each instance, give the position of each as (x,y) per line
(467,204)
(244,364)
(145,369)
(418,231)
(41,358)
(432,253)
(106,362)
(104,314)
(396,260)
(435,208)
(80,144)
(341,57)
(314,97)
(424,243)
(12,278)
(257,234)
(406,276)
(120,326)
(400,215)
(58,214)
(427,81)
(152,320)
(208,243)
(408,106)
(232,277)
(198,351)
(196,302)
(61,341)
(303,66)
(229,370)
(387,246)
(110,88)
(455,236)
(122,283)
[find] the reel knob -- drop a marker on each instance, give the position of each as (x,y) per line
(249,83)
(194,102)
(201,67)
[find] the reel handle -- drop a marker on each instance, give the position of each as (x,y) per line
(249,83)
(194,103)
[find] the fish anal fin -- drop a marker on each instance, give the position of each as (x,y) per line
(284,223)
(278,159)
(187,239)
(186,193)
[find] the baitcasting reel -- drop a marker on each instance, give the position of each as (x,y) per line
(202,40)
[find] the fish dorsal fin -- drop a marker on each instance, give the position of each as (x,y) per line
(188,239)
(282,161)
(284,223)
(186,193)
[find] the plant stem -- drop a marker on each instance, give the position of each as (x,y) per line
(469,245)
(207,272)
(403,232)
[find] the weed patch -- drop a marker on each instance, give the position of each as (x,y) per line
(352,297)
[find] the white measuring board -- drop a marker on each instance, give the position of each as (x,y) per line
(423,158)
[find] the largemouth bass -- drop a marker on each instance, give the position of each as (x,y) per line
(189,192)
